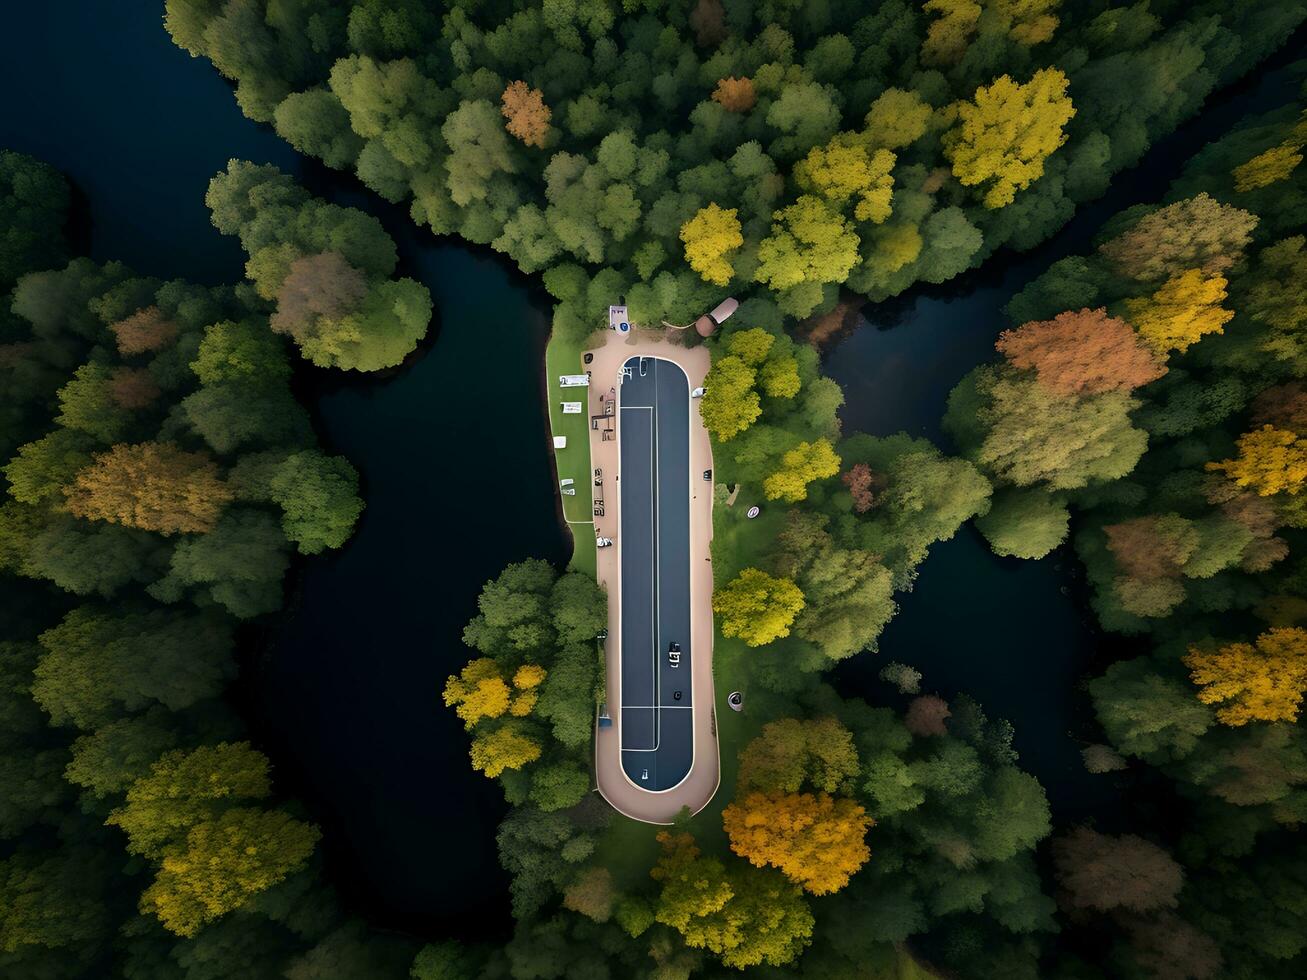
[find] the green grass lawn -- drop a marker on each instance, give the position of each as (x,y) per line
(563,356)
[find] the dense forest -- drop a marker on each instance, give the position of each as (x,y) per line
(1148,411)
(1153,392)
(160,478)
(676,150)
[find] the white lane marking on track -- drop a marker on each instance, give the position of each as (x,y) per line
(656,462)
(654,624)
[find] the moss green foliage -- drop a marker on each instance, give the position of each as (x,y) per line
(1024,523)
(33,202)
(318,497)
(327,267)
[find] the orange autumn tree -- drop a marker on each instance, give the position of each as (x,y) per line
(132,388)
(1253,682)
(1151,551)
(1270,461)
(155,486)
(817,841)
(1082,353)
(528,116)
(735,94)
(145,330)
(862,484)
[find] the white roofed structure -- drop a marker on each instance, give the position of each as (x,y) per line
(722,312)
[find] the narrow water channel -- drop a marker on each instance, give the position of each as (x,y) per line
(1014,635)
(456,474)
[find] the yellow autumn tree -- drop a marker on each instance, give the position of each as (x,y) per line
(1030,22)
(1005,134)
(155,486)
(779,377)
(1270,461)
(950,32)
(746,916)
(528,116)
(757,607)
(810,242)
(198,814)
(806,462)
(480,691)
(225,862)
(751,346)
(897,118)
(507,747)
(711,238)
(847,169)
(1267,168)
(817,841)
(1253,682)
(790,752)
(477,692)
(526,681)
(1184,309)
(528,676)
(893,246)
(730,403)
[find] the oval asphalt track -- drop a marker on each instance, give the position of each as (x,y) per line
(657,727)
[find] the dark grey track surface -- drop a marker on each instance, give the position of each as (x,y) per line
(654,436)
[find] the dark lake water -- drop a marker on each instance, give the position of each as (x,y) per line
(344,694)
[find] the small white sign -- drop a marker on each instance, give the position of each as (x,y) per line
(574,381)
(568,491)
(571,408)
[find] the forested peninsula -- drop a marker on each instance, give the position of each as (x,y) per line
(1145,413)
